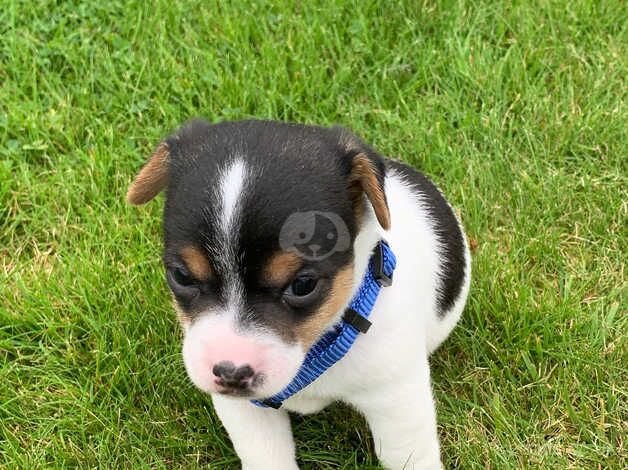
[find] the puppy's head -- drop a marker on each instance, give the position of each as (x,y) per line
(260,222)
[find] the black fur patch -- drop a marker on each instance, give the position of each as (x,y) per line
(447,230)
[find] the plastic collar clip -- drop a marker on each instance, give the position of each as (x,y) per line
(379,274)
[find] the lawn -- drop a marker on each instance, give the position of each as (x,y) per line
(516,109)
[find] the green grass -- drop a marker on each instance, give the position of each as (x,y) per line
(516,109)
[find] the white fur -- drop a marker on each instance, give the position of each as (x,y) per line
(231,185)
(386,374)
(231,188)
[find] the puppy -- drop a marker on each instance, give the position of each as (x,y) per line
(280,245)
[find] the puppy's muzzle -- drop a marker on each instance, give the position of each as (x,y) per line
(220,358)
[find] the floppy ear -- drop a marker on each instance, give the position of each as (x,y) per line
(367,172)
(152,178)
(367,177)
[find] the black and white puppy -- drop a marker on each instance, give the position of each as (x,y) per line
(268,231)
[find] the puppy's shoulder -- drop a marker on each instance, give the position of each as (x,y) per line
(452,248)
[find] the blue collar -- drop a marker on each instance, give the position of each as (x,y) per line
(336,343)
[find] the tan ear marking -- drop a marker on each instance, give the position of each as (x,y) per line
(152,178)
(197,263)
(281,268)
(364,174)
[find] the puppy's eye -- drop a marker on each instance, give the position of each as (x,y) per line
(303,285)
(181,282)
(182,277)
(302,291)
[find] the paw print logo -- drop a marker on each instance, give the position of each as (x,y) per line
(314,235)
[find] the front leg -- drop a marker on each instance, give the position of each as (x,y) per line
(262,437)
(402,419)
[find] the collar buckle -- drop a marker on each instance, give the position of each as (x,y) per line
(379,275)
(270,404)
(356,320)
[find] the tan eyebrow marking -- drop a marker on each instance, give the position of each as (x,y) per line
(197,263)
(281,268)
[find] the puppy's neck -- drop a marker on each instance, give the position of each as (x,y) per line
(368,236)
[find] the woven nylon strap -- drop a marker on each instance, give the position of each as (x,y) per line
(336,343)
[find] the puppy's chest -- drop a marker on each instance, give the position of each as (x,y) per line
(333,386)
(361,370)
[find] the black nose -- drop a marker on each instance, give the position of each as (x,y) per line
(230,376)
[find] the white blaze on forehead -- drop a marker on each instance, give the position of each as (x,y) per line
(230,191)
(231,185)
